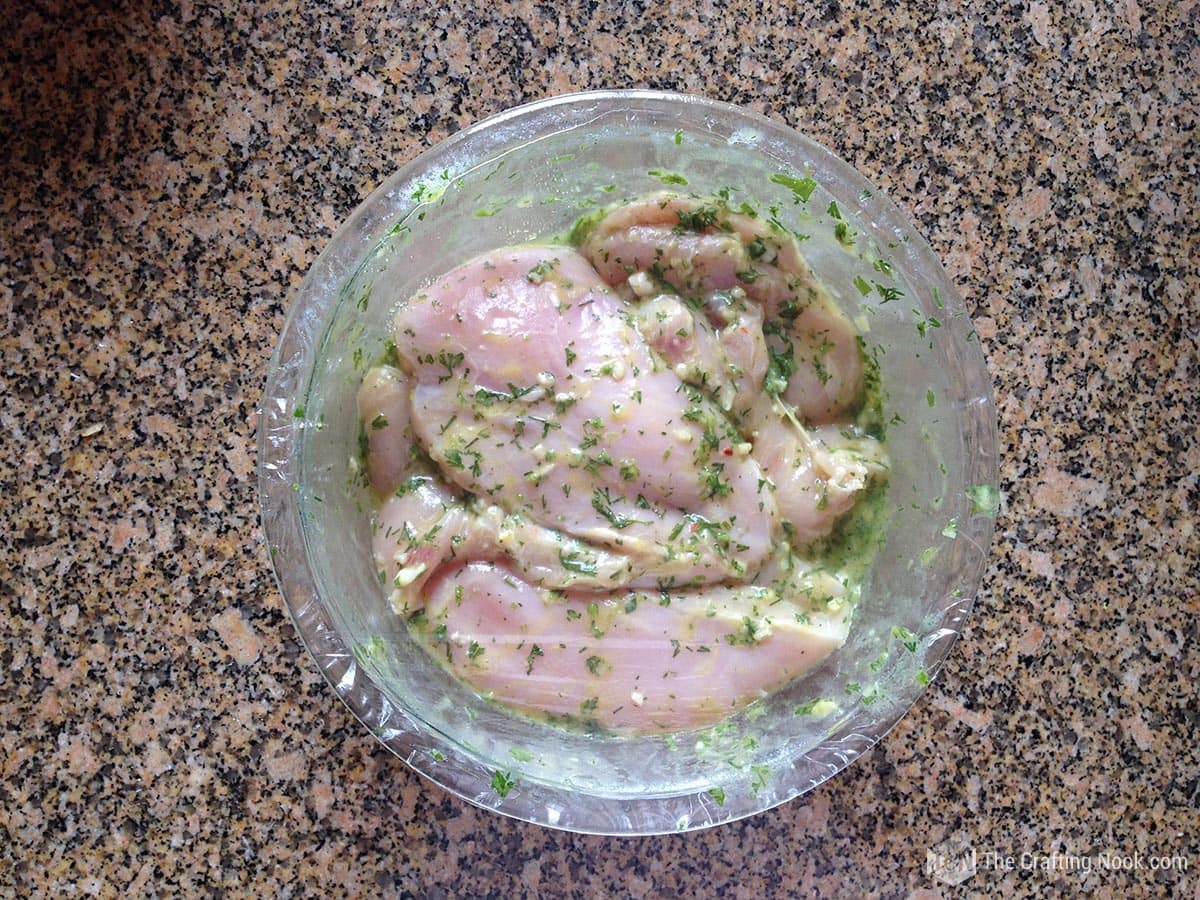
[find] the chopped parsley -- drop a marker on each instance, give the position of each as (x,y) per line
(502,783)
(985,499)
(668,177)
(906,637)
(575,561)
(802,188)
(538,273)
(535,653)
(602,503)
(700,219)
(781,366)
(450,361)
(758,778)
(713,482)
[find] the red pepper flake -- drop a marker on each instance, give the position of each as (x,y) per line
(728,451)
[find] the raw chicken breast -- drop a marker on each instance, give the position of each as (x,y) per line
(535,391)
(626,662)
(420,528)
(383,411)
(601,472)
(700,248)
(727,360)
(818,474)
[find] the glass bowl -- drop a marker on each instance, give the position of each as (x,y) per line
(530,173)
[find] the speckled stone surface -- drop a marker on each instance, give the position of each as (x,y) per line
(168,173)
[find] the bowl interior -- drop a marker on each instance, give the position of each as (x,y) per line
(530,174)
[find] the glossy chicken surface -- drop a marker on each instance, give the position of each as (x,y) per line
(542,398)
(625,660)
(601,466)
(707,253)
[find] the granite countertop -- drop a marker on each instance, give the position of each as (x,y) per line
(171,170)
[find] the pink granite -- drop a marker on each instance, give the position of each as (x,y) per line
(170,171)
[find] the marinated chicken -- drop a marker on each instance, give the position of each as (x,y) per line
(605,467)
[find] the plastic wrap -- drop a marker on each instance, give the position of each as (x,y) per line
(529,173)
